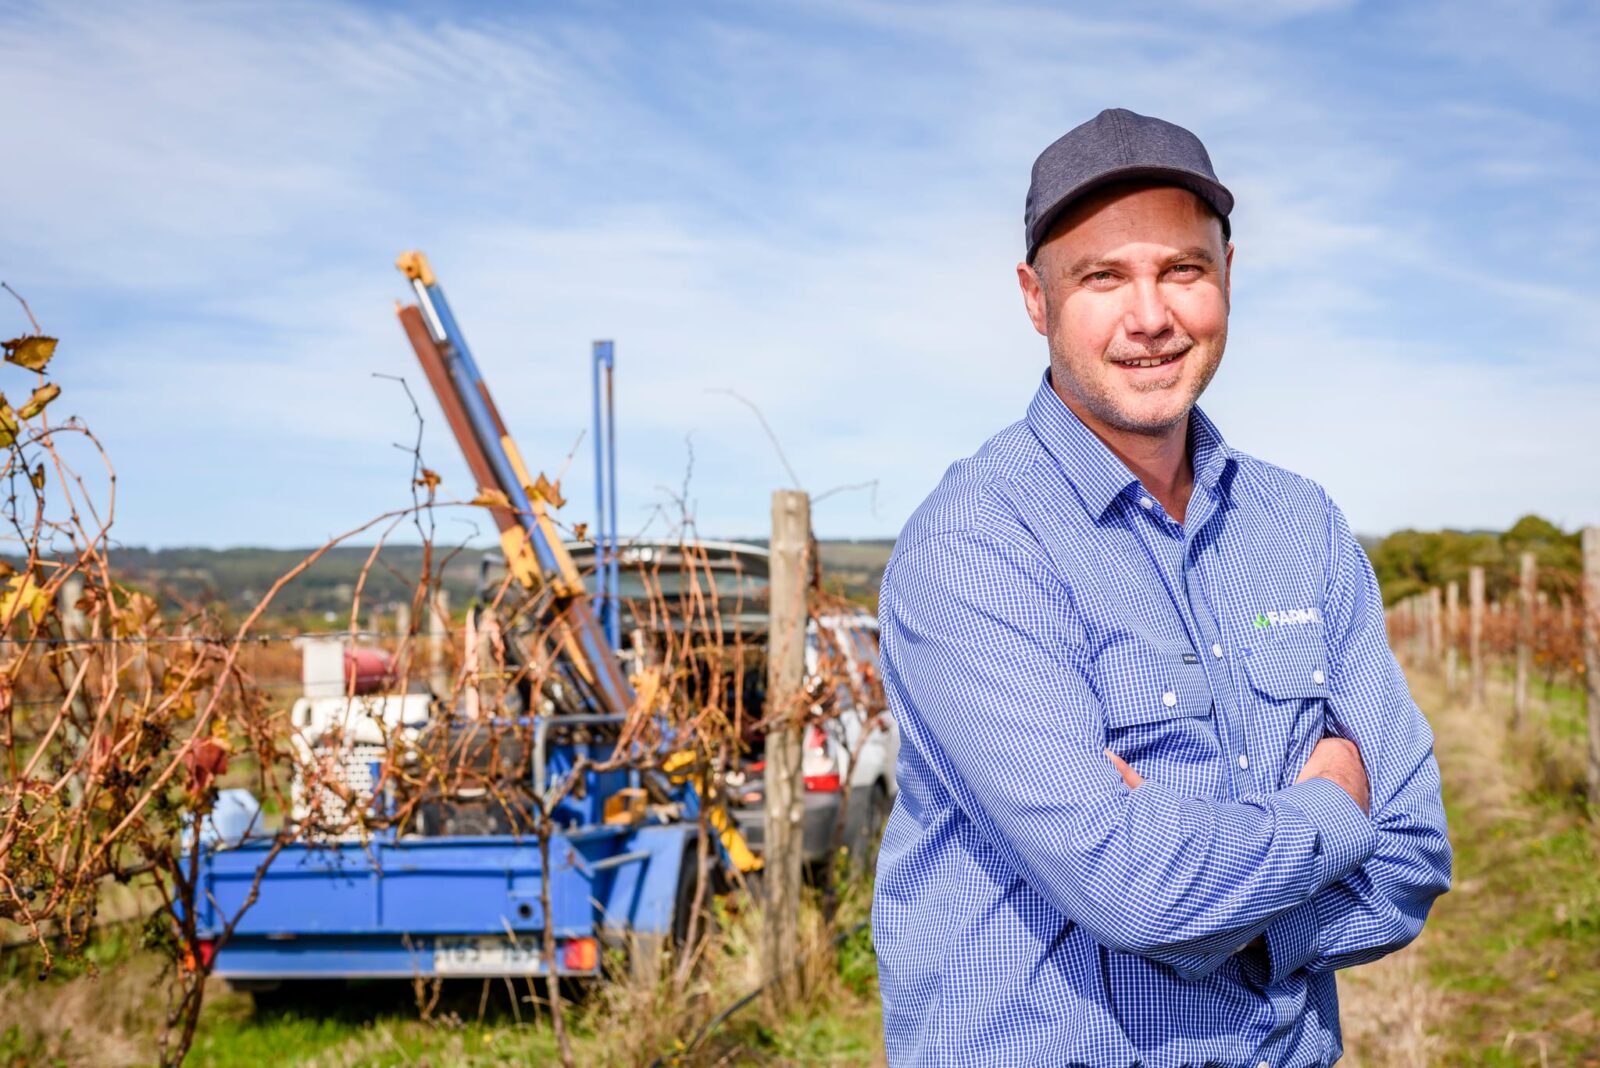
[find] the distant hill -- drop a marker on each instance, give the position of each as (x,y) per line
(1405,562)
(238,578)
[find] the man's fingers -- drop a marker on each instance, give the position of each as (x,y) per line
(1129,776)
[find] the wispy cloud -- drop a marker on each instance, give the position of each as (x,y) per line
(817,206)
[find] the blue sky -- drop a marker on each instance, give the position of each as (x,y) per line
(817,205)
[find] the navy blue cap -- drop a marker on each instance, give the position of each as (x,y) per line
(1114,146)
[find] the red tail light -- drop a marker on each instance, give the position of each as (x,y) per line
(205,951)
(580,955)
(823,784)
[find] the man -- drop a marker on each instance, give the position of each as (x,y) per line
(1160,775)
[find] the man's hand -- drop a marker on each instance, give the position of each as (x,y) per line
(1339,761)
(1129,776)
(1335,759)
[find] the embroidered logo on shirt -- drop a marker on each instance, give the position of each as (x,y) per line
(1294,617)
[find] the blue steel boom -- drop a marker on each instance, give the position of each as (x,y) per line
(534,552)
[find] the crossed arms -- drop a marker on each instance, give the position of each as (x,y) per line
(974,645)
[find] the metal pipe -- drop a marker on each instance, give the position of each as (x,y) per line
(620,859)
(541,727)
(602,591)
(613,595)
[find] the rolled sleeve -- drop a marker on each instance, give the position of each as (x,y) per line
(1379,905)
(1346,838)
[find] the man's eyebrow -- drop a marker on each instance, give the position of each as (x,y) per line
(1086,264)
(1089,264)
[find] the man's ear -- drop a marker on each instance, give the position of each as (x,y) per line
(1227,274)
(1033,297)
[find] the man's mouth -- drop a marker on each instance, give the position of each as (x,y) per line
(1152,361)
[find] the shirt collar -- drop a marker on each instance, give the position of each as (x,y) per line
(1095,470)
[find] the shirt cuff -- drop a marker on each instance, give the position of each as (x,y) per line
(1291,942)
(1345,835)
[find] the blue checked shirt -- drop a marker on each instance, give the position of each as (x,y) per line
(1041,607)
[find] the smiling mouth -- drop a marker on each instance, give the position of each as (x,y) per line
(1152,361)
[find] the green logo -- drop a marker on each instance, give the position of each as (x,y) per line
(1263,622)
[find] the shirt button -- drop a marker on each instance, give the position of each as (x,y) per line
(1263,1064)
(1146,502)
(1169,699)
(1244,761)
(1317,676)
(1216,651)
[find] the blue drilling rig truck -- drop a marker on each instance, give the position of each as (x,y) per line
(457,890)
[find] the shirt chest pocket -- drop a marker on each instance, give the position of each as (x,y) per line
(1289,685)
(1157,707)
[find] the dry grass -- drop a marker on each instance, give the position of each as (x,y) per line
(1505,971)
(641,1012)
(100,1018)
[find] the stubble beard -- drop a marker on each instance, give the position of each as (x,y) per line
(1102,402)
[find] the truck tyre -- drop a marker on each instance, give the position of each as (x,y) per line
(683,901)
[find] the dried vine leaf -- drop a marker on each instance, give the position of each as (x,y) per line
(135,617)
(547,490)
(430,478)
(492,498)
(8,423)
(41,397)
(30,352)
(205,759)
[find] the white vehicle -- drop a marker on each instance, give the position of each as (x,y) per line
(849,758)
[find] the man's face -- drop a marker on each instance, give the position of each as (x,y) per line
(1131,290)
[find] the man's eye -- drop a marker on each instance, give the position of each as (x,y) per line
(1187,270)
(1100,276)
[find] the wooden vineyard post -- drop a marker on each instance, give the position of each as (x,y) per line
(1591,652)
(1525,595)
(1475,634)
(438,632)
(1452,626)
(790,568)
(1436,627)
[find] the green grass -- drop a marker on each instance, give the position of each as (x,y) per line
(1514,946)
(103,1009)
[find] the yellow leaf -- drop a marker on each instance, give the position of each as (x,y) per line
(8,423)
(30,352)
(430,478)
(22,593)
(41,396)
(492,498)
(550,491)
(37,477)
(183,707)
(135,617)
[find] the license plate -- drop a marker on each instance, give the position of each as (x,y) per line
(488,956)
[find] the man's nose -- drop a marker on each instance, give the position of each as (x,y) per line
(1147,314)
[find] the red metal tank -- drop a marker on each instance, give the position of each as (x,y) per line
(373,670)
